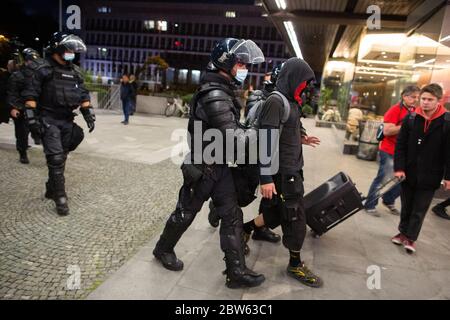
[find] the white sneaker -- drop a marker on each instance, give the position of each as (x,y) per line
(372,212)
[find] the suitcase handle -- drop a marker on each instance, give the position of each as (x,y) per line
(378,194)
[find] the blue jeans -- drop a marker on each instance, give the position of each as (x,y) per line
(126,106)
(385,172)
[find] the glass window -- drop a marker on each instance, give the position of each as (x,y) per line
(182,76)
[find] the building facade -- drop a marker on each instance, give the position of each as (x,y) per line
(121,35)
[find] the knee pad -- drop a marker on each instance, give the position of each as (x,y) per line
(56,160)
(76,137)
(294,228)
(181,218)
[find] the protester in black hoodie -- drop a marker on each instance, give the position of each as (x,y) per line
(282,189)
(422,157)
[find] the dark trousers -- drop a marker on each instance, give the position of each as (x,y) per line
(415,204)
(287,209)
(445,203)
(216,183)
(126,107)
(21,132)
(59,138)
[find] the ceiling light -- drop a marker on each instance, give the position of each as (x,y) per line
(293,37)
(281,4)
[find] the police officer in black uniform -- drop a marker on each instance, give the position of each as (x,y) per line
(16,84)
(214,106)
(259,233)
(53,93)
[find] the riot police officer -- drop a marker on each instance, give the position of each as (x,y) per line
(16,85)
(215,107)
(259,233)
(53,93)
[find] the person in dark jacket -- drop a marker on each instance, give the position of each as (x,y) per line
(281,178)
(422,158)
(126,95)
(16,85)
(51,95)
(214,109)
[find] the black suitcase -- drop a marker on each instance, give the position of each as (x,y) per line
(334,201)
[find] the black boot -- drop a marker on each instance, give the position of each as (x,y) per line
(440,211)
(213,218)
(62,207)
(169,260)
(176,225)
(23,157)
(56,188)
(238,275)
(49,191)
(265,234)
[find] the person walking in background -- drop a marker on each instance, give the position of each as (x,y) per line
(126,95)
(392,123)
(422,158)
(134,90)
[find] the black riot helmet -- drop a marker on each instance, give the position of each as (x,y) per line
(62,41)
(30,54)
(230,51)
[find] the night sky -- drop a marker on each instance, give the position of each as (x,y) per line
(29,19)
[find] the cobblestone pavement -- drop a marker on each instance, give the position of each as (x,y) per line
(115,207)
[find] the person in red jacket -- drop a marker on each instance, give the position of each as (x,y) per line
(392,123)
(422,158)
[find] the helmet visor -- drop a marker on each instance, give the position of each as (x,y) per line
(73,43)
(247,52)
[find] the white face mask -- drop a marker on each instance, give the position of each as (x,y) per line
(68,56)
(241,75)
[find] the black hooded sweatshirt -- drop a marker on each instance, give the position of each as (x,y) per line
(292,80)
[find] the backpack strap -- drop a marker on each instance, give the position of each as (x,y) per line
(286,105)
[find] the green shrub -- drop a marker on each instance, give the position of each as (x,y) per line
(307,109)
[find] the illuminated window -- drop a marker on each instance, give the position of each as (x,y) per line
(104,10)
(230,14)
(162,25)
(149,24)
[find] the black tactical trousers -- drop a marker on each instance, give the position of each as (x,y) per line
(287,209)
(59,137)
(21,131)
(216,183)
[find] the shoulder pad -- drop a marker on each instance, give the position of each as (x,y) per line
(43,65)
(216,95)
